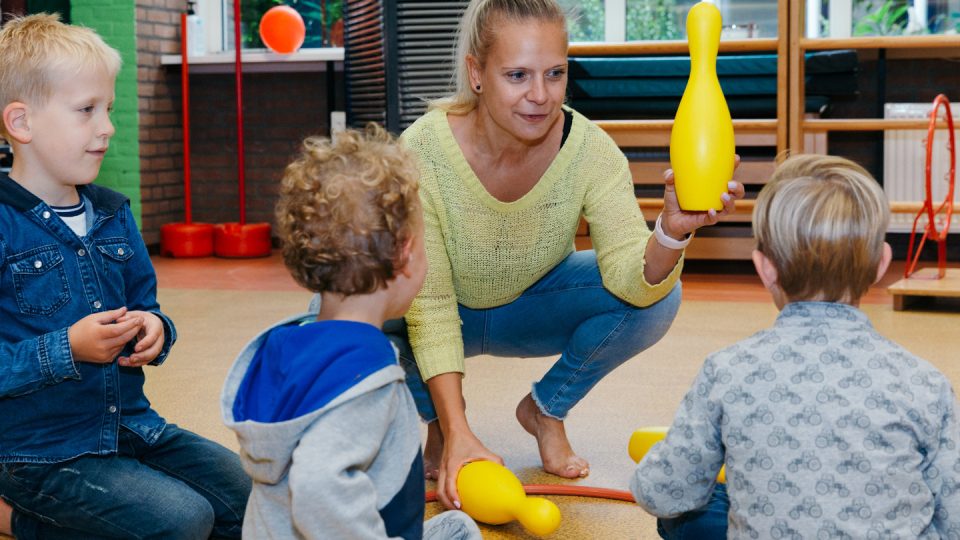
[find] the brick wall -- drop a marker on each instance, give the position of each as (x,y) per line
(158,103)
(280,109)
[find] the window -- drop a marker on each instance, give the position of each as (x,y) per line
(632,20)
(846,18)
(323,20)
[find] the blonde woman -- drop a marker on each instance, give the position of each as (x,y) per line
(507,172)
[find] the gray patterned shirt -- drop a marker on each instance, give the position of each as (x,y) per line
(827,430)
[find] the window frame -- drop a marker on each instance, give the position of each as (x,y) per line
(217,16)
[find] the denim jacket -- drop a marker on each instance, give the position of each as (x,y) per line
(51,407)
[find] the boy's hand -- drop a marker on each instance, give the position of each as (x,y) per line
(99,337)
(149,343)
(677,223)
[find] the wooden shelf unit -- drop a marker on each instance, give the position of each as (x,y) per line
(791,130)
(937,41)
(923,285)
(641,131)
(679,46)
(865,124)
(949,44)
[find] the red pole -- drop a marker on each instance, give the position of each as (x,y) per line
(185,103)
(239,70)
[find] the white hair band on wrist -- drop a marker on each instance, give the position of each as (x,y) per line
(666,241)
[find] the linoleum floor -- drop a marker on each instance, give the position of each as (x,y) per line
(219,304)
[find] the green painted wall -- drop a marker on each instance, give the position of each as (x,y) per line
(115,21)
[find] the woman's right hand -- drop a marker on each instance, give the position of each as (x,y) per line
(460,445)
(459,448)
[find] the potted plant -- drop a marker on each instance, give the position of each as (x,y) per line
(881,18)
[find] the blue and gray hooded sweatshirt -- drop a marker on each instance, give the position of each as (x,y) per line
(328,431)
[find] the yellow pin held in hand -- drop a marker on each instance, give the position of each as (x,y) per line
(701,144)
(491,494)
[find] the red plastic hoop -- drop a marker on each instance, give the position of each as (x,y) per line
(946,207)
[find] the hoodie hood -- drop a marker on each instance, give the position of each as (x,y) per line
(289,375)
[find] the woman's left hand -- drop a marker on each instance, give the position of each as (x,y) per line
(678,223)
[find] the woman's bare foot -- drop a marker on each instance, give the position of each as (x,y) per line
(6,517)
(433,451)
(555,451)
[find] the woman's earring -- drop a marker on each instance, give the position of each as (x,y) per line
(478,88)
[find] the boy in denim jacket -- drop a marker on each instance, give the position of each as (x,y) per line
(82,454)
(827,429)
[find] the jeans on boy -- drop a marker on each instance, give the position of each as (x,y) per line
(568,311)
(182,486)
(706,523)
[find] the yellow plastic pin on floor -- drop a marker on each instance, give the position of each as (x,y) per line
(643,440)
(490,493)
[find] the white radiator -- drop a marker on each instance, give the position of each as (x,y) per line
(904,162)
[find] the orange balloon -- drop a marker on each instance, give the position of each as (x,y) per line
(282,29)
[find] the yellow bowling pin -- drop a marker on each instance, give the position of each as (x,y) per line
(701,144)
(491,494)
(643,440)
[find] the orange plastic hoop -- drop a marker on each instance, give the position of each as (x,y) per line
(946,207)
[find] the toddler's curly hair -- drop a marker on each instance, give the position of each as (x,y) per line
(346,209)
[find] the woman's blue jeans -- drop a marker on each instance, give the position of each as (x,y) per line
(567,312)
(181,487)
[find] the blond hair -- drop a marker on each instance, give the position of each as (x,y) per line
(39,49)
(476,35)
(821,220)
(346,209)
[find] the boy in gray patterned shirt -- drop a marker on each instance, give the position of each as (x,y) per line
(827,429)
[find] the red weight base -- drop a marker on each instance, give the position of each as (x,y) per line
(235,240)
(183,240)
